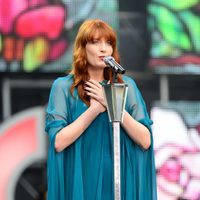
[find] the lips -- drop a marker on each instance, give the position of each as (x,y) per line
(101,57)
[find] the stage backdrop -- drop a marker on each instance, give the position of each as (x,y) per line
(37,35)
(176,131)
(174,26)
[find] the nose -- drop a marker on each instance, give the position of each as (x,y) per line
(103,46)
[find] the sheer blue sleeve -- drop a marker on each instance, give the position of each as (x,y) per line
(56,119)
(56,112)
(135,104)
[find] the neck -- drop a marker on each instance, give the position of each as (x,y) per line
(96,75)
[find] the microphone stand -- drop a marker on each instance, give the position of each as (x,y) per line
(115,95)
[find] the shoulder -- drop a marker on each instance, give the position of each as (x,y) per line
(132,85)
(63,82)
(128,80)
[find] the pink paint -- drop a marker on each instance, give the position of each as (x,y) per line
(57,49)
(17,144)
(47,21)
(171,170)
(9,10)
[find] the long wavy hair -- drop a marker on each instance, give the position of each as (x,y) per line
(86,34)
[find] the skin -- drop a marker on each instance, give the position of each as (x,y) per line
(95,51)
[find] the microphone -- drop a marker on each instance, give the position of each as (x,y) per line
(110,61)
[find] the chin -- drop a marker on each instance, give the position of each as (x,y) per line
(101,66)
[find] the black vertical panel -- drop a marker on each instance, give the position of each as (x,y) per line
(133,5)
(133,34)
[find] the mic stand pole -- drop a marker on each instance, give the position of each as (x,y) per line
(115,96)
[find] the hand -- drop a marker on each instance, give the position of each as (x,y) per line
(97,106)
(95,90)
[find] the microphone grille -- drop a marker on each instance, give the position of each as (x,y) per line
(108,58)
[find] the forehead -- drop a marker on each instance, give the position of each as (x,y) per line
(100,37)
(100,34)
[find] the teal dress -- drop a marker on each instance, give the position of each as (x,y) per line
(84,170)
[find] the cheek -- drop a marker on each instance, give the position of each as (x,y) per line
(90,51)
(89,55)
(111,50)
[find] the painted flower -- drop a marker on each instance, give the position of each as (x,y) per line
(32,33)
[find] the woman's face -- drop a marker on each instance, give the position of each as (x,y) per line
(96,50)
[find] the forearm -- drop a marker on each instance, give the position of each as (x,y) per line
(70,133)
(137,131)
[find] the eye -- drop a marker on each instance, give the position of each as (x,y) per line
(109,42)
(94,41)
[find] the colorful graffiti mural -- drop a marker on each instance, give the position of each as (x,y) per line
(22,142)
(176,132)
(175,35)
(37,35)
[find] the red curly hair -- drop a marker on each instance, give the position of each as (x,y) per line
(86,33)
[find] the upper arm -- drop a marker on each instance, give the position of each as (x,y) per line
(56,111)
(135,104)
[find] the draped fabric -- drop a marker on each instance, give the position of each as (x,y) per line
(84,170)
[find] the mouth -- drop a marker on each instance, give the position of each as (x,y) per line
(101,58)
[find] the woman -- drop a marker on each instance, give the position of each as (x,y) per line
(80,165)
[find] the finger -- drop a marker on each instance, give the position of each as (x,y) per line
(92,95)
(91,85)
(92,100)
(94,84)
(92,90)
(97,84)
(96,96)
